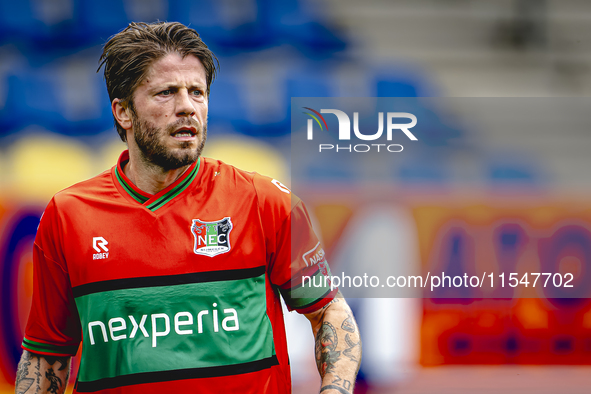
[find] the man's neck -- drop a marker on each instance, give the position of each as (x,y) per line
(151,178)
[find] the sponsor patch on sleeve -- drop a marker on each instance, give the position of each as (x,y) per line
(315,256)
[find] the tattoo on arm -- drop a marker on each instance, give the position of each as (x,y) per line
(337,388)
(337,380)
(31,370)
(62,360)
(54,382)
(339,384)
(349,326)
(337,358)
(326,345)
(349,351)
(38,373)
(23,382)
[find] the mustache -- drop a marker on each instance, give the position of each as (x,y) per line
(184,122)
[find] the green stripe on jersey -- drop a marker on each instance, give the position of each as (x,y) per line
(173,327)
(40,347)
(176,190)
(135,195)
(312,289)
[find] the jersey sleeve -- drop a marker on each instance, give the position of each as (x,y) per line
(53,327)
(297,261)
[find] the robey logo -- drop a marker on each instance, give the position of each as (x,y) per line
(100,245)
(345,130)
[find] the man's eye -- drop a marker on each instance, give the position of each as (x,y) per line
(197,93)
(165,92)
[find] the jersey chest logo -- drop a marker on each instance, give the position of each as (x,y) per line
(211,238)
(100,245)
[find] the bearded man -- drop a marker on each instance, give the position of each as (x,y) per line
(169,267)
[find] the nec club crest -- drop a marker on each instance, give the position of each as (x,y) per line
(211,238)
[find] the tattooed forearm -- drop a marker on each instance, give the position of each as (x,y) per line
(62,360)
(64,365)
(349,351)
(54,382)
(23,381)
(348,324)
(337,347)
(343,386)
(337,388)
(36,374)
(326,345)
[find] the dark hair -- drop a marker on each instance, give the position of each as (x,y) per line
(128,55)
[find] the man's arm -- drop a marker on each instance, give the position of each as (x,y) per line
(42,374)
(338,346)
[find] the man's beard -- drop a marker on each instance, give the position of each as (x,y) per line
(147,137)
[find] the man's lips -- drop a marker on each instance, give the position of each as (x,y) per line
(185,133)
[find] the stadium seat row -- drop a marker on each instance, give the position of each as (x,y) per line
(67,97)
(226,25)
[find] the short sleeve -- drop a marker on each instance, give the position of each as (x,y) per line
(309,286)
(298,265)
(53,327)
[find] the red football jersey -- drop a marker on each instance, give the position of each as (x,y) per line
(178,291)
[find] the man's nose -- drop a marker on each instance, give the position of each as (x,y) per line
(185,106)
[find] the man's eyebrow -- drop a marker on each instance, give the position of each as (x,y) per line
(174,85)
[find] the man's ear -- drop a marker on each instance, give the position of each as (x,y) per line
(122,114)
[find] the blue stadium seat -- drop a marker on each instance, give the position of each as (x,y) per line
(99,20)
(512,172)
(226,103)
(395,88)
(34,99)
(16,20)
(9,122)
(35,23)
(225,29)
(38,97)
(312,80)
(289,22)
(402,80)
(423,170)
(256,24)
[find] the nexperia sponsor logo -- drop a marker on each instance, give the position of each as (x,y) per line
(157,325)
(211,238)
(392,125)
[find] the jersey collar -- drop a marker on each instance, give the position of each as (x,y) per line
(160,199)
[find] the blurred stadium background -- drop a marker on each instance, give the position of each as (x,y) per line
(518,205)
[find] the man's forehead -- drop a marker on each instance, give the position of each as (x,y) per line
(173,65)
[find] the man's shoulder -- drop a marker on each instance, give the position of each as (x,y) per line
(263,186)
(95,187)
(218,167)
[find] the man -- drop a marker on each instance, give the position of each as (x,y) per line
(168,267)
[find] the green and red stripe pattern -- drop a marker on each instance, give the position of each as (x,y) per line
(153,203)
